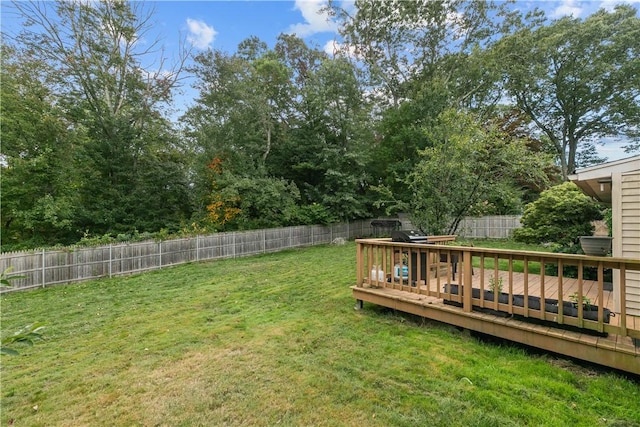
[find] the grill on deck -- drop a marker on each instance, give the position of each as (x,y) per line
(408,236)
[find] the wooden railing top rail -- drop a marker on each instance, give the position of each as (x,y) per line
(430,239)
(608,262)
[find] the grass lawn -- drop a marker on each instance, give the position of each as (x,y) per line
(503,264)
(275,340)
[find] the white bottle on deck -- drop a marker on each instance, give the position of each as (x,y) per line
(377,273)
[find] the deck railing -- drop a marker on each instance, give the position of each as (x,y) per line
(568,291)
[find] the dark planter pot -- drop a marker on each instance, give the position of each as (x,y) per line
(550,305)
(589,313)
(475,293)
(503,298)
(596,245)
(568,308)
(488,296)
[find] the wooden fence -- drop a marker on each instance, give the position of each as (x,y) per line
(489,227)
(47,267)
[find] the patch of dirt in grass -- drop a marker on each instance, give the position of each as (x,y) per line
(221,386)
(576,368)
(242,385)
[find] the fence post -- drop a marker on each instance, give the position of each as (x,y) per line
(160,254)
(197,247)
(44,258)
(110,259)
(264,241)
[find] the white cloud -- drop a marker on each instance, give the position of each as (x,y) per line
(333,47)
(568,8)
(201,35)
(610,4)
(315,21)
(580,8)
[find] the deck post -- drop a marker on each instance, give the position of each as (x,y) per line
(359,275)
(359,304)
(467,278)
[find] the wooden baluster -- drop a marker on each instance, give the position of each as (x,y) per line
(526,287)
(560,291)
(369,263)
(496,281)
(359,266)
(542,298)
(438,282)
(428,278)
(580,293)
(600,296)
(384,266)
(482,276)
(467,285)
(510,284)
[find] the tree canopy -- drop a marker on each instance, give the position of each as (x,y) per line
(469,169)
(578,80)
(440,108)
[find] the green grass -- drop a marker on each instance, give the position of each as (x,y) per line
(274,340)
(503,264)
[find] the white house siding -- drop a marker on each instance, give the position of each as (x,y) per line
(629,234)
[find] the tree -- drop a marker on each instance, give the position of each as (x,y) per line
(578,80)
(242,105)
(325,153)
(39,183)
(287,119)
(407,43)
(100,71)
(420,58)
(469,167)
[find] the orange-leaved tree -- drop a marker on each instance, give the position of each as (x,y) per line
(222,208)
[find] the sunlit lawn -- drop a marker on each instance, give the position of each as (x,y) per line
(503,264)
(275,340)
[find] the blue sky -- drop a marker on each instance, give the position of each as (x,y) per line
(223,24)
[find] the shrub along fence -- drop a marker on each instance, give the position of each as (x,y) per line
(46,267)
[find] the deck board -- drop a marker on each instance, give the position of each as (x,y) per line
(570,286)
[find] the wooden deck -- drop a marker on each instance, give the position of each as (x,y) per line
(606,340)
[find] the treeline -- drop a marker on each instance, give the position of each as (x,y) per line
(438,108)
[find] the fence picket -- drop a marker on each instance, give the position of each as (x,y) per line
(74,264)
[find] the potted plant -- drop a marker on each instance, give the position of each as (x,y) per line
(596,245)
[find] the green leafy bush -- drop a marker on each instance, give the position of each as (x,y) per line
(561,215)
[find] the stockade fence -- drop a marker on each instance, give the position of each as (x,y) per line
(489,227)
(46,267)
